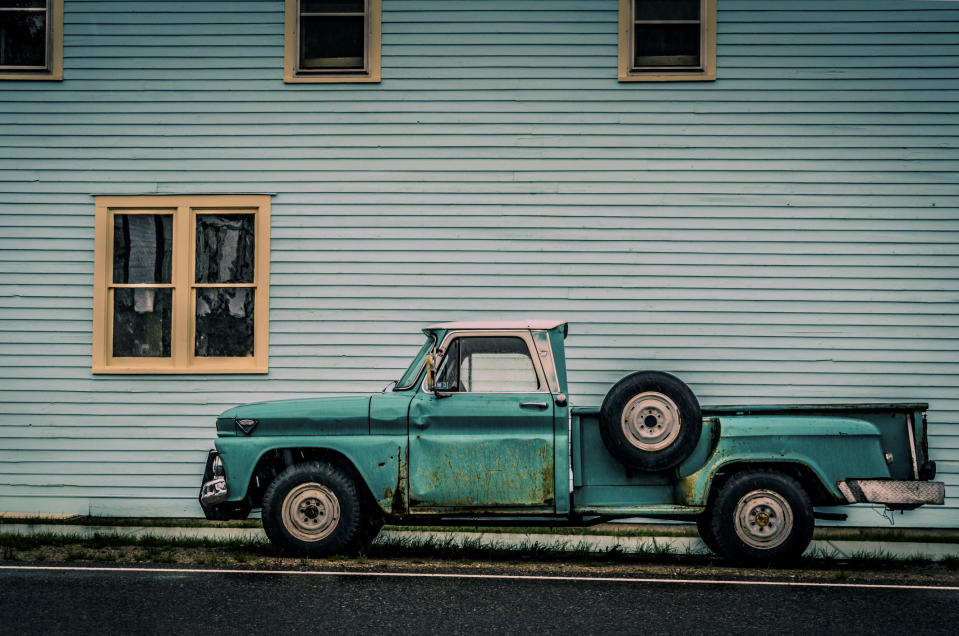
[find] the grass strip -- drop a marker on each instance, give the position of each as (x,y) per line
(835,533)
(421,548)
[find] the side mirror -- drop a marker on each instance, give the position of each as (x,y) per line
(432,363)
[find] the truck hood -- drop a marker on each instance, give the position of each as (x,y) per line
(340,415)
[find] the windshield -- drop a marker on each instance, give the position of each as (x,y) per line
(409,378)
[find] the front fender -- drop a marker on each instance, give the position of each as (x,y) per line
(831,448)
(380,461)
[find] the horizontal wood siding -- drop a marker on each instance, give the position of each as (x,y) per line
(788,233)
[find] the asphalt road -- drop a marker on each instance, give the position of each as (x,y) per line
(129,602)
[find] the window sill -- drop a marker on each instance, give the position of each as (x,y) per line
(50,76)
(121,370)
(340,79)
(669,77)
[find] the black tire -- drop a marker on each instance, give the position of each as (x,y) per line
(312,509)
(650,421)
(761,517)
(370,526)
(706,533)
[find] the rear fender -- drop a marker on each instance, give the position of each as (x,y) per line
(831,449)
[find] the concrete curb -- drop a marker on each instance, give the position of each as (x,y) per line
(593,543)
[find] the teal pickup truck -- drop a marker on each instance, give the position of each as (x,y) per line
(480,430)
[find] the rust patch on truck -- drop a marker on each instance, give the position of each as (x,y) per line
(398,503)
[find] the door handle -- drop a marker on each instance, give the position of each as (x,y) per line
(534,405)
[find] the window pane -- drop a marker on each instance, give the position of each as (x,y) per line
(142,248)
(225,248)
(224,322)
(23,4)
(447,377)
(23,38)
(332,6)
(488,365)
(331,43)
(141,322)
(667,9)
(667,45)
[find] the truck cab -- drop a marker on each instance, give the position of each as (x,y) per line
(481,427)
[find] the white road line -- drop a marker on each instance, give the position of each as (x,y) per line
(508,577)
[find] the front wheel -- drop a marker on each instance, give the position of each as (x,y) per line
(761,517)
(312,509)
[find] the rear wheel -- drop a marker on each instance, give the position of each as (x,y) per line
(706,533)
(650,421)
(761,516)
(312,509)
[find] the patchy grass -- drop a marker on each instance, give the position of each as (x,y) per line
(836,533)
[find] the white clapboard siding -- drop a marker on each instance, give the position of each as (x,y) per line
(788,233)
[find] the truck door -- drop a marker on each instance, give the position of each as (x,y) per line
(488,444)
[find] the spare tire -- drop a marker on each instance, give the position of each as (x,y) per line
(650,421)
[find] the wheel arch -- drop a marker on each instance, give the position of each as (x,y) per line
(377,466)
(699,490)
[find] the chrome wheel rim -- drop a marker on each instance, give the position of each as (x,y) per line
(764,519)
(311,512)
(651,421)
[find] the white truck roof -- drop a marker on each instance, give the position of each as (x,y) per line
(499,324)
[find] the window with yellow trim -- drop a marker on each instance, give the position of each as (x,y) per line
(332,41)
(667,40)
(31,39)
(181,284)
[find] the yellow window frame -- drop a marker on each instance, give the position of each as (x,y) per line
(707,48)
(184,210)
(373,39)
(54,54)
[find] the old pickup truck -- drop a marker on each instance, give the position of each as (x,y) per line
(480,430)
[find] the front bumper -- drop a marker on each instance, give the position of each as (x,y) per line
(893,493)
(213,491)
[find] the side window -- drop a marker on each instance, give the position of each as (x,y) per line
(488,365)
(31,39)
(332,41)
(181,284)
(667,40)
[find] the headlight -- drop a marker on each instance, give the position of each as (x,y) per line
(218,470)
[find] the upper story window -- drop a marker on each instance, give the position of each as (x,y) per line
(332,41)
(667,40)
(181,284)
(31,39)
(487,365)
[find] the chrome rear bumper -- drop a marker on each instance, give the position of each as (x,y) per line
(892,492)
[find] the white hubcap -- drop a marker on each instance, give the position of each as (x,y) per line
(310,512)
(764,519)
(651,421)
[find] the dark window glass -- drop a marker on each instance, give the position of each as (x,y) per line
(141,322)
(23,37)
(667,45)
(142,248)
(330,42)
(225,248)
(487,365)
(332,6)
(224,322)
(667,9)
